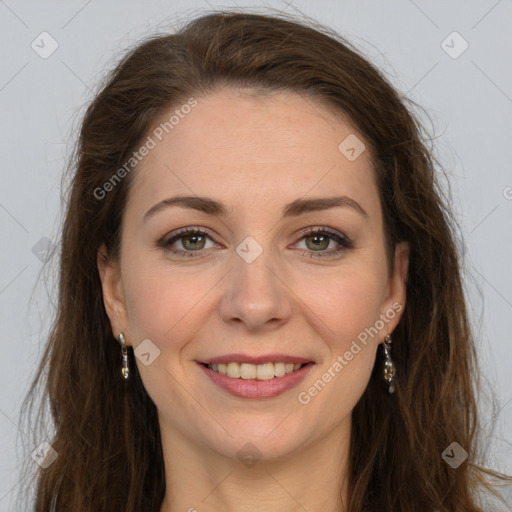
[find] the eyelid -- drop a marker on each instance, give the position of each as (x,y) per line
(311,230)
(165,240)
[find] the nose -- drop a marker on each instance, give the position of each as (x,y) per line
(256,294)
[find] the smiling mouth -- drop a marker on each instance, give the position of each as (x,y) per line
(248,371)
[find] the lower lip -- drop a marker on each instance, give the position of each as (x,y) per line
(258,389)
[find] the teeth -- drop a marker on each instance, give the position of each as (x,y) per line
(249,371)
(279,369)
(265,371)
(233,370)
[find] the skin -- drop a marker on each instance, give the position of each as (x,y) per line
(255,155)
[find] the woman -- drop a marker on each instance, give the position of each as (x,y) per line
(260,302)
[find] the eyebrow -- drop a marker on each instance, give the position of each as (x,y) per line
(297,207)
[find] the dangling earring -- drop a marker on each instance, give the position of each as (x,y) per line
(389,366)
(125,369)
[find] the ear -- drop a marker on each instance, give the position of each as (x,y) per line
(394,302)
(113,293)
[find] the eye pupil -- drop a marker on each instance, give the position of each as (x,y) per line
(194,238)
(318,239)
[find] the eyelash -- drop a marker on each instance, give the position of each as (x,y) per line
(344,243)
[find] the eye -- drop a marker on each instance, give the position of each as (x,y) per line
(193,243)
(191,240)
(319,239)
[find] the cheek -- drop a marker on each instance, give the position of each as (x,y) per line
(347,314)
(348,303)
(347,307)
(166,308)
(161,301)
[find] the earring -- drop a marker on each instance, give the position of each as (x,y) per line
(125,369)
(389,366)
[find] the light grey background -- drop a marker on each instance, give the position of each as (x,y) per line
(469,99)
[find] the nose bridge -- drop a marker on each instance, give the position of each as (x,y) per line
(256,294)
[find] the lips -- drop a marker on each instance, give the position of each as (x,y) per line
(256,377)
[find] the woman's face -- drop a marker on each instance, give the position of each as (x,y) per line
(254,285)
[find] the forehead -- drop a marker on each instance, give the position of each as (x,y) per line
(245,148)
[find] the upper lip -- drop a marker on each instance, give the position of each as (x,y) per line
(244,358)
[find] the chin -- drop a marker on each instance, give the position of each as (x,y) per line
(266,439)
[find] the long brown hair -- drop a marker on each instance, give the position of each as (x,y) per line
(106,432)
